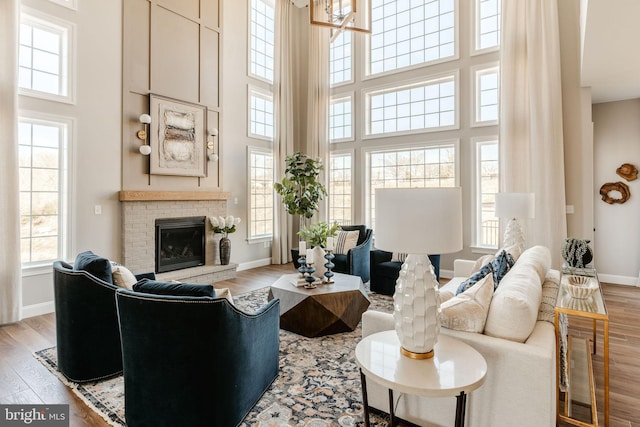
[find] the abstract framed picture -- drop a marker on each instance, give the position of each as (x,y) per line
(177,137)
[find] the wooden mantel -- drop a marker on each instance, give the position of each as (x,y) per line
(147,196)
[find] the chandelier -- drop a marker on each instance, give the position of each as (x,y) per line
(341,15)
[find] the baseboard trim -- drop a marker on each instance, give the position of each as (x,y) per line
(619,280)
(38,309)
(253,264)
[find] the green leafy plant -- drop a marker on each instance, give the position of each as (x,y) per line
(316,234)
(300,189)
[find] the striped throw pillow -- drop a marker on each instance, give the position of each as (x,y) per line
(346,240)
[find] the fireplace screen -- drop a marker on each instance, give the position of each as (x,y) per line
(180,243)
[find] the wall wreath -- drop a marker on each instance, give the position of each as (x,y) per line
(607,189)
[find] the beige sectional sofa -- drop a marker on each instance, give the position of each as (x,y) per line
(519,349)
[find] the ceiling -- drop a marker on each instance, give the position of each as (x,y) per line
(611,50)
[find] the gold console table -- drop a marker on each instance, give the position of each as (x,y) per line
(579,391)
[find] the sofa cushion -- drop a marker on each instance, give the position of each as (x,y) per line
(468,310)
(176,289)
(94,265)
(514,308)
(481,262)
(474,278)
(122,276)
(346,240)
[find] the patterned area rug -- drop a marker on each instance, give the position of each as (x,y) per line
(318,384)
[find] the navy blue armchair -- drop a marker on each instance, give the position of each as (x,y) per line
(384,272)
(356,261)
(194,361)
(87,334)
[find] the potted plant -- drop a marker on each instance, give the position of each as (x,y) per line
(316,234)
(300,189)
(224,226)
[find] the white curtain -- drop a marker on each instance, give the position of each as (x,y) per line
(284,137)
(531,139)
(10,268)
(318,103)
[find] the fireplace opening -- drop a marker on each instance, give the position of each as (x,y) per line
(180,243)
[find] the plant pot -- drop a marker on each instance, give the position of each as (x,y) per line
(225,250)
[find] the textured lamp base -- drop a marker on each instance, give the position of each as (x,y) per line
(513,235)
(416,304)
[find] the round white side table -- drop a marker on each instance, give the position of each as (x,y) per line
(456,369)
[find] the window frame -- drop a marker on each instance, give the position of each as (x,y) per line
(265,94)
(366,159)
(475,33)
(334,99)
(264,237)
(351,154)
(351,79)
(250,73)
(65,186)
(399,85)
(67,70)
(476,72)
(476,194)
(368,75)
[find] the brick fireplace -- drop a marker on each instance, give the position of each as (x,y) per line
(141,209)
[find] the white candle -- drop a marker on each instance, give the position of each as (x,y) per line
(302,247)
(330,243)
(309,256)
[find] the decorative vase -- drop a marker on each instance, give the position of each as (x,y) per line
(318,260)
(416,308)
(225,250)
(576,252)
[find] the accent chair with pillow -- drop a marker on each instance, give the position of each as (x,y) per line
(88,338)
(385,269)
(194,360)
(351,253)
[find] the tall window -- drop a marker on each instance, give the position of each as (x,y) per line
(411,167)
(341,119)
(262,39)
(487,230)
(44,56)
(260,114)
(414,107)
(486,95)
(42,163)
(340,188)
(406,33)
(340,59)
(260,193)
(487,24)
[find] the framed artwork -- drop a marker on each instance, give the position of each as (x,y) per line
(177,137)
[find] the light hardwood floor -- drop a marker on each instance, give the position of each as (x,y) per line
(25,380)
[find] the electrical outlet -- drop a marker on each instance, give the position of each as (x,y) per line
(97,209)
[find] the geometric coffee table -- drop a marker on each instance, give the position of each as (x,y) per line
(324,310)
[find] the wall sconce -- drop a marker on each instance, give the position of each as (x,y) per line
(143,134)
(211,154)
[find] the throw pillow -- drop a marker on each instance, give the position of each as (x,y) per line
(514,250)
(346,241)
(500,266)
(481,262)
(94,265)
(176,289)
(398,257)
(122,276)
(468,310)
(224,293)
(474,278)
(549,296)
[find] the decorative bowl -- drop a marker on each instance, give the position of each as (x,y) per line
(581,287)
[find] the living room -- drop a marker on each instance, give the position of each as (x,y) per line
(120,60)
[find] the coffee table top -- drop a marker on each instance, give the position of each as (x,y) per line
(342,283)
(456,366)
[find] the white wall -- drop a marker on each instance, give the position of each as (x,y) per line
(617,141)
(95,147)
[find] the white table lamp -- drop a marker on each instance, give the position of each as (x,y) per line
(513,206)
(418,221)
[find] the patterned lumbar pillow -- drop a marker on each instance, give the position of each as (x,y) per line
(500,266)
(468,310)
(474,278)
(398,257)
(346,241)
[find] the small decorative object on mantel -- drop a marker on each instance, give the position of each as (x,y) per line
(608,192)
(628,171)
(576,252)
(224,226)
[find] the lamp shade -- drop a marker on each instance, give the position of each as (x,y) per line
(419,220)
(515,205)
